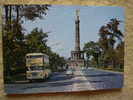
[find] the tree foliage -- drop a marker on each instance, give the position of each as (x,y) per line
(20,12)
(92,49)
(36,41)
(109,49)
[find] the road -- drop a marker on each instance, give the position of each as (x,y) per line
(83,79)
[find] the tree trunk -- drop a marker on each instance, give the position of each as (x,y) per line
(6,13)
(17,14)
(10,12)
(10,16)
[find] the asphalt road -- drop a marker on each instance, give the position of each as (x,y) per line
(83,79)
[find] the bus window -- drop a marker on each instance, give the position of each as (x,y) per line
(32,68)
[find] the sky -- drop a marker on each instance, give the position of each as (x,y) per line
(60,22)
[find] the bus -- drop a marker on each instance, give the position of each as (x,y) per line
(37,65)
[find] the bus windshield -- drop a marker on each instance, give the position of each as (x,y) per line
(32,68)
(37,56)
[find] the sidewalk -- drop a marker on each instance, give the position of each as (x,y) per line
(109,71)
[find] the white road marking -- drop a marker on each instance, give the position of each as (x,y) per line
(84,84)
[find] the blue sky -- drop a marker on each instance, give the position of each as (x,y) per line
(60,21)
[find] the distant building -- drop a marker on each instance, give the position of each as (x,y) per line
(77,56)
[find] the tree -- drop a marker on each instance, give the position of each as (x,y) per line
(13,50)
(110,37)
(20,12)
(109,33)
(56,61)
(92,49)
(34,11)
(120,55)
(36,41)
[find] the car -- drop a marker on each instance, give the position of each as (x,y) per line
(69,72)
